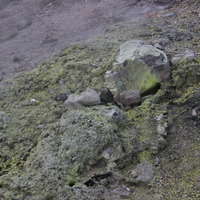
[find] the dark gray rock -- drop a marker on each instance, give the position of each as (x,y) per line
(158,46)
(62,97)
(106,96)
(171,14)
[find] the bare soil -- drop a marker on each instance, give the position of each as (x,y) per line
(33,30)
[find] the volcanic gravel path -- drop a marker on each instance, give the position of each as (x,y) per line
(33,30)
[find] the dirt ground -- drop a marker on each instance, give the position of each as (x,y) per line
(33,30)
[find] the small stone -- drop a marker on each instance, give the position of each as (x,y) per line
(34,102)
(145,172)
(134,174)
(159,117)
(89,98)
(171,14)
(128,98)
(196,112)
(62,96)
(41,126)
(106,96)
(161,128)
(157,161)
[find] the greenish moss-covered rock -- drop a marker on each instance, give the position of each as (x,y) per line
(138,67)
(133,75)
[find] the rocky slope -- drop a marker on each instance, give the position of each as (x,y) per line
(33,30)
(107,150)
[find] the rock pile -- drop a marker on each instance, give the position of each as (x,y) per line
(138,68)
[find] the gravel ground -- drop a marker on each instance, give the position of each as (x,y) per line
(33,30)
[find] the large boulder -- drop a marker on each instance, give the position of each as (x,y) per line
(138,67)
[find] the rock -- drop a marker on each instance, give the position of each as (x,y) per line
(138,67)
(112,154)
(143,173)
(128,98)
(196,112)
(134,173)
(156,60)
(88,98)
(129,50)
(72,102)
(160,41)
(113,114)
(161,128)
(62,97)
(186,55)
(106,96)
(158,46)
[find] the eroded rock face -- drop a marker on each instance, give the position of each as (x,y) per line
(139,67)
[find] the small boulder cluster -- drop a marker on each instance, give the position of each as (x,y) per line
(92,98)
(138,69)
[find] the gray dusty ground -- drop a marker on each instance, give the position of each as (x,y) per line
(33,30)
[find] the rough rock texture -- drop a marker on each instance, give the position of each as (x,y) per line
(144,64)
(106,96)
(48,152)
(88,98)
(154,58)
(143,173)
(128,98)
